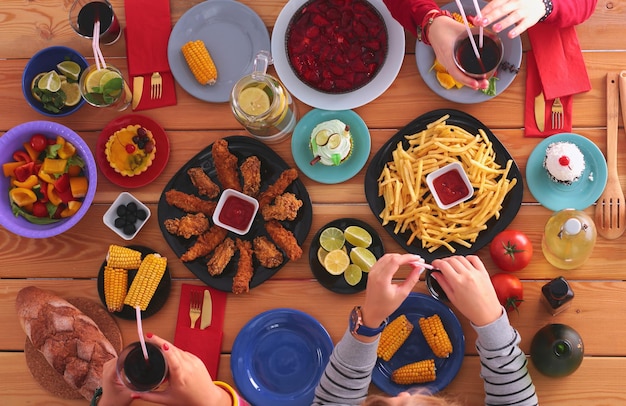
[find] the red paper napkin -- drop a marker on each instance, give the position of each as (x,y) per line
(148,27)
(205,344)
(555,66)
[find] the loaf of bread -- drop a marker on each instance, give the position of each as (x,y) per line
(69,340)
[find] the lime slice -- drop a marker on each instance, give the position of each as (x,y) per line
(108,75)
(254,101)
(321,138)
(93,79)
(336,262)
(50,81)
(353,274)
(334,141)
(332,238)
(70,69)
(358,236)
(363,258)
(72,93)
(321,255)
(33,85)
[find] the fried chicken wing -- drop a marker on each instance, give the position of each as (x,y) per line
(284,239)
(278,187)
(225,165)
(188,225)
(221,257)
(205,244)
(241,281)
(266,252)
(251,174)
(203,183)
(285,207)
(190,203)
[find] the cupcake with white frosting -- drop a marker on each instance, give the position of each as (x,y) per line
(331,142)
(564,162)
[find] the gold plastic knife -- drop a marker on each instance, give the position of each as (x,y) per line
(137,90)
(207,310)
(540,112)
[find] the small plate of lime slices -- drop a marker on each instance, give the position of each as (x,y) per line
(342,253)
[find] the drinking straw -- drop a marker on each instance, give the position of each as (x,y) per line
(468,29)
(142,340)
(480,28)
(95,45)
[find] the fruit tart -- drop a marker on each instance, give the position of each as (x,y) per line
(131,150)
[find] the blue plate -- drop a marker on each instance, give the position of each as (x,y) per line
(580,194)
(278,358)
(415,347)
(425,57)
(301,149)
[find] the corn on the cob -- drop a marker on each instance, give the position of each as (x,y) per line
(200,62)
(115,287)
(393,336)
(436,335)
(123,257)
(146,281)
(416,372)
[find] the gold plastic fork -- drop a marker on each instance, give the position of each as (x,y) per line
(195,307)
(557,114)
(156,85)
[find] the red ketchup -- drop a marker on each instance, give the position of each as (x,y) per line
(236,213)
(450,187)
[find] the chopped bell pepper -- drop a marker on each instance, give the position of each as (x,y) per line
(53,196)
(21,156)
(46,177)
(78,186)
(31,151)
(54,166)
(28,183)
(62,183)
(67,150)
(24,171)
(60,140)
(22,196)
(74,170)
(9,168)
(72,208)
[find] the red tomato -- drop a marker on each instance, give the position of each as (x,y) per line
(511,250)
(39,142)
(40,209)
(509,290)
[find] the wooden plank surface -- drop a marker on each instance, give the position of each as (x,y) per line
(69,264)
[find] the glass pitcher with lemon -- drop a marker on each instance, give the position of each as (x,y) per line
(262,104)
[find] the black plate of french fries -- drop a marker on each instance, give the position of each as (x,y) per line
(410,214)
(271,167)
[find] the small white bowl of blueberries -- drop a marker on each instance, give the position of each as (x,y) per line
(126,216)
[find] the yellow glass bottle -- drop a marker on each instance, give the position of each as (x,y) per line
(568,239)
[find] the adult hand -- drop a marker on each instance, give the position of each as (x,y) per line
(442,34)
(382,296)
(468,286)
(114,393)
(521,14)
(189,382)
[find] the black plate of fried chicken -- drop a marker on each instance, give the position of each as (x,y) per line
(222,259)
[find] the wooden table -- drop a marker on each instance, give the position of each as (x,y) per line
(69,263)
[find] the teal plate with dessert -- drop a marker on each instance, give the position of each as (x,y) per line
(558,196)
(303,155)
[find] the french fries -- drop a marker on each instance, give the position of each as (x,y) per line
(409,203)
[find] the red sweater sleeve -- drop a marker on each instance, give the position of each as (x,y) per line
(410,13)
(567,13)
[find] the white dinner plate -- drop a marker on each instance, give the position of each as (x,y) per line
(232,32)
(344,101)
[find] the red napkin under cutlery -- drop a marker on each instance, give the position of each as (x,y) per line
(148,28)
(205,344)
(555,66)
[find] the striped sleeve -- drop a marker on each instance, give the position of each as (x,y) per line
(504,365)
(348,374)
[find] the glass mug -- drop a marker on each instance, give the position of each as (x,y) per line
(104,87)
(83,15)
(139,374)
(262,104)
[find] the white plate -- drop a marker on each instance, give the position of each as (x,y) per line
(425,57)
(232,32)
(345,101)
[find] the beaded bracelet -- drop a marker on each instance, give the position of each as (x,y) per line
(96,397)
(422,31)
(548,6)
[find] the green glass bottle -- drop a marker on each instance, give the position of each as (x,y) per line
(557,350)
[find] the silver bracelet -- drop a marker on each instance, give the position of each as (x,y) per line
(548,6)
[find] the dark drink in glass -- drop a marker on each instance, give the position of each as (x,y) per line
(85,13)
(139,374)
(490,54)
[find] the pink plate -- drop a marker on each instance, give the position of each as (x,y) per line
(154,170)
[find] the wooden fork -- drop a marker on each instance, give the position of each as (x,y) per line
(156,86)
(195,307)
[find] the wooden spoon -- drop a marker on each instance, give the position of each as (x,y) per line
(611,207)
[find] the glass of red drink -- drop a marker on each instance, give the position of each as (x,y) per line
(83,16)
(490,54)
(139,374)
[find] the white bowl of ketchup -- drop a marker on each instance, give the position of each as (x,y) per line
(449,185)
(235,211)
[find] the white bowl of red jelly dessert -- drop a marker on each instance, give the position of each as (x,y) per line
(235,211)
(449,185)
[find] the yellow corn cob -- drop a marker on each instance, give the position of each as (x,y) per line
(200,62)
(146,281)
(115,286)
(123,257)
(436,335)
(393,336)
(416,372)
